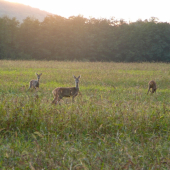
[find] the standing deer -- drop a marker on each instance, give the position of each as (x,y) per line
(152,85)
(35,83)
(61,92)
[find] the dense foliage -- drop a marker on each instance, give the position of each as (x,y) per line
(79,38)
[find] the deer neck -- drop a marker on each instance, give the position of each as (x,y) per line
(77,85)
(38,80)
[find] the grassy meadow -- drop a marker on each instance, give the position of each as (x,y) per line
(113,125)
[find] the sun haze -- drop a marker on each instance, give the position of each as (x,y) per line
(130,10)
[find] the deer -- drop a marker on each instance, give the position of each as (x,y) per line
(61,92)
(152,85)
(35,83)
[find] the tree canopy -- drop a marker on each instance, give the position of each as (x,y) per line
(79,38)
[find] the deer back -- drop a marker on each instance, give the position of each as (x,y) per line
(66,92)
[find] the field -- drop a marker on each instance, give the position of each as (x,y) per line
(113,125)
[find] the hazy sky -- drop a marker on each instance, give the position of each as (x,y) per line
(120,9)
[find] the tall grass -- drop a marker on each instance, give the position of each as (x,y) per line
(114,125)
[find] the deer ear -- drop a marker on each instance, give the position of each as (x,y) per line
(74,76)
(36,74)
(79,76)
(40,74)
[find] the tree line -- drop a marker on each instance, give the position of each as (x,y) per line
(79,38)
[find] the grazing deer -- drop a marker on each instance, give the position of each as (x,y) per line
(35,83)
(152,85)
(61,92)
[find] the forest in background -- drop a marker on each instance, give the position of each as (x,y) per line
(82,39)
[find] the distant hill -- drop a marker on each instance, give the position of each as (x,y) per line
(20,11)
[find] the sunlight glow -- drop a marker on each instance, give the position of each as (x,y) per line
(120,9)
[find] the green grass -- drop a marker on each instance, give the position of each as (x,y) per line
(106,128)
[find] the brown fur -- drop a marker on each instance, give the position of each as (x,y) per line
(35,83)
(152,85)
(61,92)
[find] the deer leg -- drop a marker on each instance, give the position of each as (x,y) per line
(148,89)
(30,85)
(153,90)
(58,100)
(75,96)
(73,99)
(54,100)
